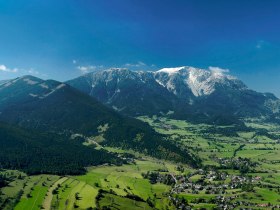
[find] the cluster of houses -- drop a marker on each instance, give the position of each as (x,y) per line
(211,183)
(236,163)
(221,202)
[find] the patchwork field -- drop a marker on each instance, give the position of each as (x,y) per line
(217,145)
(80,192)
(26,192)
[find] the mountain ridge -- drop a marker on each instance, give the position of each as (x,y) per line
(191,93)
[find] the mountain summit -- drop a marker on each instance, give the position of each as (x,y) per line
(200,81)
(186,92)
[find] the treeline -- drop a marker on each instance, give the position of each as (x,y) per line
(4,180)
(231,131)
(36,153)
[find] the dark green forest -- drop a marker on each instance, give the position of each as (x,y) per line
(36,153)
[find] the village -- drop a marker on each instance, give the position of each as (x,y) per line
(228,190)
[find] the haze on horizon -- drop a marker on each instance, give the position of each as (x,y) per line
(64,39)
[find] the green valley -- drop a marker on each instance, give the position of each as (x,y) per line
(140,105)
(238,170)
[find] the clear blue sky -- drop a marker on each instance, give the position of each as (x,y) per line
(59,39)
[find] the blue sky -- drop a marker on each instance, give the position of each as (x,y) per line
(61,39)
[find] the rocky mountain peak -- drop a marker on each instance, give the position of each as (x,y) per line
(200,81)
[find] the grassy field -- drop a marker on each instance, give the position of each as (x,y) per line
(79,192)
(35,191)
(128,179)
(27,192)
(72,194)
(49,195)
(115,202)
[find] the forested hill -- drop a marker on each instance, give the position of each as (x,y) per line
(48,105)
(36,153)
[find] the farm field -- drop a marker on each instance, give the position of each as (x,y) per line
(222,145)
(127,179)
(116,202)
(208,141)
(26,192)
(80,192)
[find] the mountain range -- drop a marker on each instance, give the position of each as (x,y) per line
(199,95)
(99,108)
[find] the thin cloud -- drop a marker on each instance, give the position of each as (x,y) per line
(261,44)
(87,69)
(34,72)
(4,68)
(218,70)
(258,46)
(138,64)
(21,71)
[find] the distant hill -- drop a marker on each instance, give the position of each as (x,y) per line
(51,106)
(198,95)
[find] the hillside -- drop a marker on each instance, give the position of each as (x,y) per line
(37,153)
(56,107)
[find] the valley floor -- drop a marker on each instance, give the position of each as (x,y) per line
(240,169)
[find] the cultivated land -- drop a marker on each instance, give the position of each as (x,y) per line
(255,148)
(240,169)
